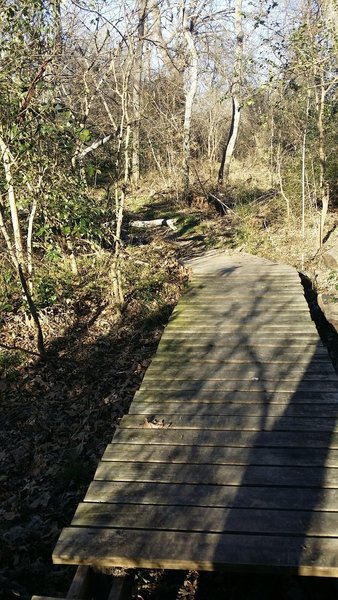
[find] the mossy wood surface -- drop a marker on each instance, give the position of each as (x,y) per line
(228,458)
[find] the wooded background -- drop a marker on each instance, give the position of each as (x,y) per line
(102,99)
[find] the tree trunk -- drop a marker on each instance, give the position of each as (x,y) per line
(323,185)
(120,190)
(7,238)
(229,148)
(321,139)
(29,245)
(137,91)
(158,38)
(7,164)
(34,313)
(280,180)
(189,99)
(58,45)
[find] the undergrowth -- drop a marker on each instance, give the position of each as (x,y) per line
(58,416)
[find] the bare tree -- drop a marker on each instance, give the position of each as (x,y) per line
(141,11)
(188,17)
(229,147)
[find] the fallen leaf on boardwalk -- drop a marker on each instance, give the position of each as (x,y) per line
(155,424)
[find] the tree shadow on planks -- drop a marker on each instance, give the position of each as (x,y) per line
(287,493)
(245,476)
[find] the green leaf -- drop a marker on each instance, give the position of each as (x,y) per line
(41,231)
(85,135)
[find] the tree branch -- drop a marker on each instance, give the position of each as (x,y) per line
(18,348)
(28,98)
(92,147)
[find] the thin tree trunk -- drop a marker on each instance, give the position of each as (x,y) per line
(224,170)
(189,99)
(304,173)
(24,285)
(73,263)
(7,163)
(272,139)
(7,238)
(156,160)
(323,214)
(281,187)
(116,267)
(323,186)
(29,244)
(58,45)
(321,139)
(34,313)
(16,250)
(158,38)
(137,91)
(303,183)
(120,191)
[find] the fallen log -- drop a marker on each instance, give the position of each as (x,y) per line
(171,223)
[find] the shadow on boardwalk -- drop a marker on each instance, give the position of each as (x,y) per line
(245,477)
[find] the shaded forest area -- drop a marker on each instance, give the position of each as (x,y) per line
(219,119)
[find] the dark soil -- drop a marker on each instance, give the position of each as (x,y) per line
(58,416)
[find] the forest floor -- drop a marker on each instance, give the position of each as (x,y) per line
(57,416)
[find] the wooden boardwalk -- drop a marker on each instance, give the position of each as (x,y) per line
(228,458)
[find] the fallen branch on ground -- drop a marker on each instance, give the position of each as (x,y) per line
(171,223)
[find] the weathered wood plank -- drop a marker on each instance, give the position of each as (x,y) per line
(301,321)
(292,385)
(284,301)
(247,281)
(218,370)
(250,358)
(294,350)
(238,297)
(239,313)
(246,341)
(194,437)
(259,396)
(260,292)
(243,338)
(246,335)
(237,422)
(243,333)
(243,283)
(278,306)
(228,309)
(207,519)
(263,290)
(197,289)
(200,409)
(301,457)
(47,598)
(219,474)
(262,315)
(200,551)
(277,276)
(242,496)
